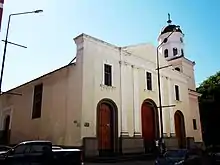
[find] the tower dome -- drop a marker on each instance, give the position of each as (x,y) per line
(174,46)
(170,28)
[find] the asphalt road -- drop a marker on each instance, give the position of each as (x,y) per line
(124,163)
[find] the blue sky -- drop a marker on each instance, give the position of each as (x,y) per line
(49,35)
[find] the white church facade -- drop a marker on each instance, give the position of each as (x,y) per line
(107,100)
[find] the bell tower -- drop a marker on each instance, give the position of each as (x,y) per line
(173,52)
(174,47)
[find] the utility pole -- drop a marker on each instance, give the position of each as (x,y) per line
(6,42)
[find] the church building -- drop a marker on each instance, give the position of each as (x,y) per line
(108,99)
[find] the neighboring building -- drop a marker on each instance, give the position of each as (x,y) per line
(107,100)
(1,12)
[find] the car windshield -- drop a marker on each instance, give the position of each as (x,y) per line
(4,148)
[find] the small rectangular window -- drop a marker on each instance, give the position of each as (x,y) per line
(166,53)
(107,75)
(175,52)
(177,92)
(149,80)
(36,111)
(194,124)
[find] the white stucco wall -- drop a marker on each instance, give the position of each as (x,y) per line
(71,95)
(61,106)
(135,61)
(173,42)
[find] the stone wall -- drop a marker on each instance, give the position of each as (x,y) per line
(132,145)
(171,142)
(90,147)
(126,145)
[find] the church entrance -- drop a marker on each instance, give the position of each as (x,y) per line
(6,131)
(180,128)
(107,127)
(150,126)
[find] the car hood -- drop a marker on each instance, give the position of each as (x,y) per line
(3,152)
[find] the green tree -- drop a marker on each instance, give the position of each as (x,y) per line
(209,104)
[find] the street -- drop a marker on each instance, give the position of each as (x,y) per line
(124,163)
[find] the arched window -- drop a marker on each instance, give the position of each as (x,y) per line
(166,53)
(175,51)
(177,68)
(182,52)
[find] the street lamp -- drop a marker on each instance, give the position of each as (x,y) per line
(158,76)
(6,42)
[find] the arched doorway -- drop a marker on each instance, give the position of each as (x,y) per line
(150,124)
(107,127)
(180,128)
(6,134)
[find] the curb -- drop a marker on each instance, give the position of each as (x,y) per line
(122,158)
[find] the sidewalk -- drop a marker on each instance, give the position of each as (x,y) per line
(120,158)
(141,162)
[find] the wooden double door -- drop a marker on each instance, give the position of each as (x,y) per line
(148,122)
(106,128)
(180,129)
(149,125)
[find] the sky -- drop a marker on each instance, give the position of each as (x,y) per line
(49,35)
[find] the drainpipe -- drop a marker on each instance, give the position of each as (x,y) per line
(133,83)
(120,64)
(65,139)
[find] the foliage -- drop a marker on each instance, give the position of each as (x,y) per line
(210,89)
(209,104)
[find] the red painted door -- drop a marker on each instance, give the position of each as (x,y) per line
(105,127)
(148,124)
(179,129)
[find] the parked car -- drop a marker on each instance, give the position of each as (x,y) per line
(178,157)
(40,152)
(213,153)
(4,148)
(57,148)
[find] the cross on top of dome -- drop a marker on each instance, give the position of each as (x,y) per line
(169,21)
(170,27)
